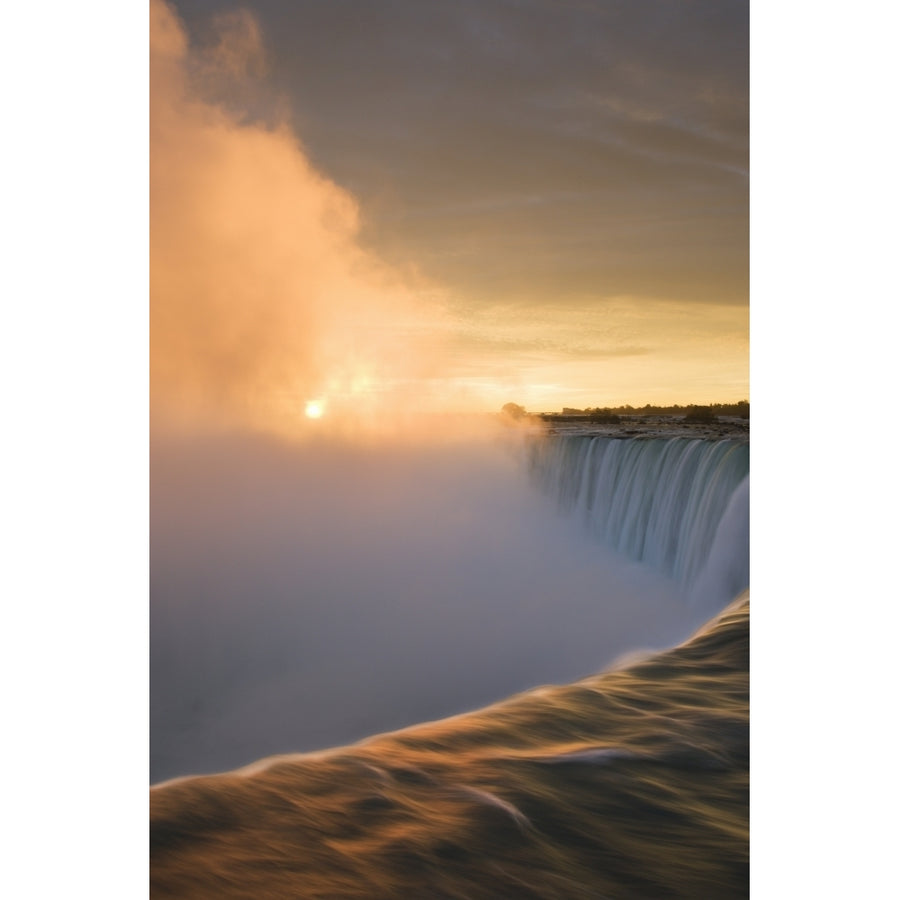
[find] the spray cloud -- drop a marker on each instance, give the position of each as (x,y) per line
(262,299)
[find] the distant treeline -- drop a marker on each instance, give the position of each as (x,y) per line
(691,413)
(612,414)
(741,409)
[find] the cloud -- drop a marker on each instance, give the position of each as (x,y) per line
(261,297)
(550,161)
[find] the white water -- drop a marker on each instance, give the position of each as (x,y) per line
(679,505)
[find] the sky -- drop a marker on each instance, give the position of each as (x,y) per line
(447,205)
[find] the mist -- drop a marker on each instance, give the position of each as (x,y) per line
(262,297)
(309,595)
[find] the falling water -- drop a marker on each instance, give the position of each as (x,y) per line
(679,505)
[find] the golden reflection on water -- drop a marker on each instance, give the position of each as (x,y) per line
(629,784)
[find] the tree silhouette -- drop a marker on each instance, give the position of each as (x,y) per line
(513,410)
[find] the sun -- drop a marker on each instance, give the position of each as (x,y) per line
(314,409)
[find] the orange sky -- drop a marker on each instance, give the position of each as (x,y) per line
(273,284)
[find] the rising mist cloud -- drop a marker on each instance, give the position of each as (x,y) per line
(261,297)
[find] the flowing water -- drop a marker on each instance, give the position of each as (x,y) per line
(679,505)
(630,784)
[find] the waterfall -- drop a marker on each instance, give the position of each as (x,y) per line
(679,505)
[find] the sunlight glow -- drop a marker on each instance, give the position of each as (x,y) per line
(314,409)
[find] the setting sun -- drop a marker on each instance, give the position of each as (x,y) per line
(314,409)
